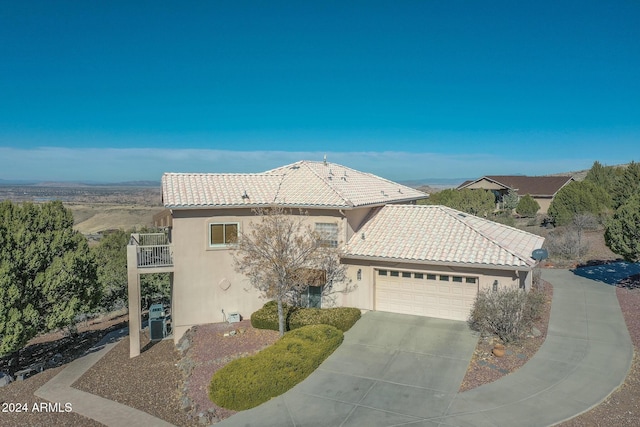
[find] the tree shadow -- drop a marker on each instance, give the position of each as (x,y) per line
(614,273)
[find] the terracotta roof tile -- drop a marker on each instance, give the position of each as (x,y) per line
(439,234)
(301,184)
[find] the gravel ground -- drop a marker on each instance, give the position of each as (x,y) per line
(172,384)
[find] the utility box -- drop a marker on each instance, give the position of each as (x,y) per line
(157,329)
(233,317)
(156,311)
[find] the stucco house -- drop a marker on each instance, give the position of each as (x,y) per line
(541,188)
(402,257)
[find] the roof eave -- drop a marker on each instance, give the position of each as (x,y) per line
(527,267)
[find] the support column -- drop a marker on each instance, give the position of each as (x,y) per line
(135,311)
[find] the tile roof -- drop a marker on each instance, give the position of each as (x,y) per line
(532,185)
(431,233)
(301,184)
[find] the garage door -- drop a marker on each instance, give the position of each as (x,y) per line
(424,294)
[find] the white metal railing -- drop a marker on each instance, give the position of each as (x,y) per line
(152,250)
(153,239)
(155,256)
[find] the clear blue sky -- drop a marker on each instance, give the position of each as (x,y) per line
(123,90)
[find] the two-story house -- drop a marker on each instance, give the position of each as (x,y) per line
(401,257)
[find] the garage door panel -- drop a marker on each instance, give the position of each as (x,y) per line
(441,299)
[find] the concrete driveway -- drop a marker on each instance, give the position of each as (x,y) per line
(391,369)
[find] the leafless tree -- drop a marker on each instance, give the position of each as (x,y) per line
(282,255)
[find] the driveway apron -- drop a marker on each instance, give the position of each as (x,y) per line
(391,369)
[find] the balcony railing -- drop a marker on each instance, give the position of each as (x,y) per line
(152,250)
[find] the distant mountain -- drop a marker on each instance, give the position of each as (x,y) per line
(16,182)
(68,184)
(438,183)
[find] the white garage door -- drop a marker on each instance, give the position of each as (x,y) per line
(424,294)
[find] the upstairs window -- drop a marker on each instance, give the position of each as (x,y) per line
(222,234)
(328,234)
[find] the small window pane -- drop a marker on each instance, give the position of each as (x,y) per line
(406,274)
(471,280)
(395,274)
(457,279)
(382,272)
(431,277)
(418,275)
(315,296)
(217,234)
(230,233)
(444,278)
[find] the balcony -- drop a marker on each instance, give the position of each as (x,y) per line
(153,250)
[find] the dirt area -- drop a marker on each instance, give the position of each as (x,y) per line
(89,219)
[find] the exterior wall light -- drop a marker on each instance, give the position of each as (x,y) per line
(359,274)
(495,286)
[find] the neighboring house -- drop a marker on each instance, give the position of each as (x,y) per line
(541,188)
(402,257)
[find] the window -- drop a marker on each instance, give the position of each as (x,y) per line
(471,280)
(395,273)
(431,276)
(328,234)
(406,274)
(457,279)
(223,234)
(444,278)
(312,297)
(382,272)
(418,275)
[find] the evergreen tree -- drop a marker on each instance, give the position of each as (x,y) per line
(580,197)
(111,259)
(626,185)
(527,206)
(474,202)
(47,272)
(623,230)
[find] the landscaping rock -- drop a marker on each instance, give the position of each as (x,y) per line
(185,404)
(5,379)
(535,332)
(55,360)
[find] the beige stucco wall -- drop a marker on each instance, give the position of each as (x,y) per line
(544,203)
(205,281)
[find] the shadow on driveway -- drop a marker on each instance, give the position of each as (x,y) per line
(610,273)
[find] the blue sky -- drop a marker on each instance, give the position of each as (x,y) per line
(120,90)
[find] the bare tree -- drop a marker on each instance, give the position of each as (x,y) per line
(281,255)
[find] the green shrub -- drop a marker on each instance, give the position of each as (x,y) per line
(527,206)
(507,313)
(267,316)
(247,382)
(342,318)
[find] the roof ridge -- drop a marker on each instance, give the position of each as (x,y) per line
(326,183)
(484,235)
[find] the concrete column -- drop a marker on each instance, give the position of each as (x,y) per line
(135,318)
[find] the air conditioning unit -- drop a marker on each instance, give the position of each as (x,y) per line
(233,317)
